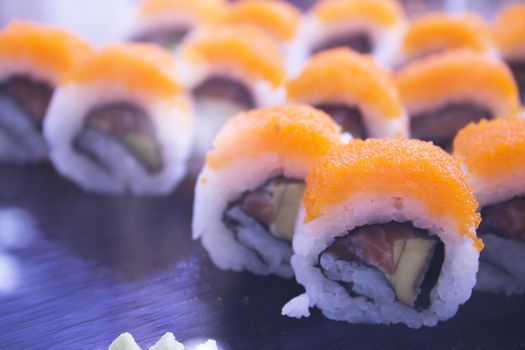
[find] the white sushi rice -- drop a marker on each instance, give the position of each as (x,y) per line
(133,24)
(453,288)
(20,141)
(173,127)
(29,68)
(215,189)
(501,265)
(377,124)
(384,39)
(212,113)
(498,189)
(501,262)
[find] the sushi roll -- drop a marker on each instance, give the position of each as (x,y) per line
(445,92)
(437,32)
(33,60)
(120,122)
(229,69)
(248,194)
(354,90)
(388,235)
(493,156)
(509,34)
(280,19)
(366,26)
(166,22)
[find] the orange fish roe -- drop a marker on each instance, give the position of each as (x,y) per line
(206,11)
(384,13)
(293,131)
(343,76)
(509,30)
(240,46)
(47,47)
(411,168)
(456,73)
(439,31)
(142,68)
(492,148)
(279,18)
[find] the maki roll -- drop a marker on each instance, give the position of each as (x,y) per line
(388,235)
(248,194)
(493,157)
(366,26)
(33,59)
(509,33)
(437,32)
(229,69)
(445,92)
(166,22)
(354,90)
(120,122)
(280,19)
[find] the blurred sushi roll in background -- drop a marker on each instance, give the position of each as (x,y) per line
(509,34)
(437,32)
(280,19)
(388,234)
(33,60)
(493,157)
(417,8)
(120,122)
(354,90)
(167,22)
(228,69)
(444,92)
(366,26)
(248,194)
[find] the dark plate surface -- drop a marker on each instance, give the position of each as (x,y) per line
(105,265)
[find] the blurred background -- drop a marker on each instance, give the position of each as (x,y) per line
(95,20)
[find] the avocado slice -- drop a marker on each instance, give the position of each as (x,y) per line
(287,197)
(144,149)
(413,263)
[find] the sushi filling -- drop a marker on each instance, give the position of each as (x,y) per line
(350,119)
(358,41)
(23,106)
(263,219)
(409,258)
(221,90)
(167,38)
(441,126)
(119,129)
(518,70)
(216,100)
(506,219)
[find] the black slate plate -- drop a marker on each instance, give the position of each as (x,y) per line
(105,265)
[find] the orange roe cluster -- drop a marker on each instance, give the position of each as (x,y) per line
(50,48)
(456,73)
(385,13)
(343,76)
(292,131)
(396,167)
(240,46)
(142,68)
(493,148)
(277,17)
(205,11)
(439,31)
(509,30)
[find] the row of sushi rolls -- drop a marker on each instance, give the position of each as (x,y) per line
(379,161)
